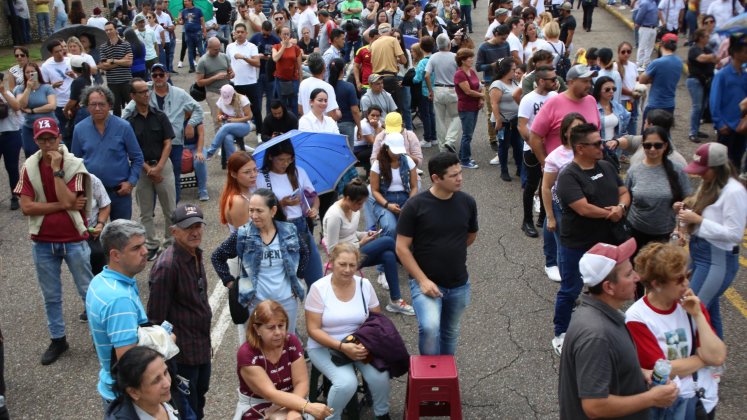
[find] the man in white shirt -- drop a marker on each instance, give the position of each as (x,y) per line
(723,10)
(57,72)
(97,21)
(307,19)
(514,42)
(671,14)
(316,67)
(245,63)
(501,16)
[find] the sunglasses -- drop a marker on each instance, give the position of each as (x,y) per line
(610,89)
(626,51)
(657,146)
(681,279)
(157,75)
(595,144)
(279,18)
(20,55)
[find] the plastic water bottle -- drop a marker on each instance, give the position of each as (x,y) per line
(166,325)
(662,369)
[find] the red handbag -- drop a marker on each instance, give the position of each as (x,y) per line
(187,161)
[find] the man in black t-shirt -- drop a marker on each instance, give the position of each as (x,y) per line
(567,26)
(593,199)
(223,10)
(434,230)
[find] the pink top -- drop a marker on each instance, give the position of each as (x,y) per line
(547,122)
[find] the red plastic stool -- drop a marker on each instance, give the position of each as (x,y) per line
(433,388)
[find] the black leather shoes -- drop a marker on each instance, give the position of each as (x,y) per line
(528,229)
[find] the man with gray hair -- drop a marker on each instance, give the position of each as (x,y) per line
(113,304)
(316,68)
(109,149)
(439,77)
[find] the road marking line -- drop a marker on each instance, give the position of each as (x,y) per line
(216,336)
(736,300)
(219,293)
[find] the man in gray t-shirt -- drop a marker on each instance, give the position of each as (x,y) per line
(439,77)
(213,71)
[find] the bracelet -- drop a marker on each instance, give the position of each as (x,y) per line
(32,110)
(303,409)
(386,205)
(340,346)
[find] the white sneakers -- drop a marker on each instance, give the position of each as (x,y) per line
(557,343)
(425,144)
(400,307)
(553,273)
(382,281)
(179,65)
(495,161)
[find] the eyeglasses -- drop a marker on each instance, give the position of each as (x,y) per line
(157,75)
(140,92)
(626,51)
(610,89)
(46,139)
(657,146)
(98,105)
(595,144)
(681,278)
(20,55)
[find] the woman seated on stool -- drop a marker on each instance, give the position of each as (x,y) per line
(336,306)
(341,226)
(273,380)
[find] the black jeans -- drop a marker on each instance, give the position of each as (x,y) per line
(121,93)
(199,383)
(10,149)
(254,93)
(588,11)
(534,178)
(391,85)
(98,256)
(735,144)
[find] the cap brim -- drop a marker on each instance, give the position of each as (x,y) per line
(626,250)
(46,131)
(695,168)
(397,150)
(189,222)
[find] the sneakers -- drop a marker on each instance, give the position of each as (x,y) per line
(449,148)
(14,204)
(557,343)
(153,254)
(204,197)
(495,161)
(425,144)
(694,139)
(401,307)
(553,273)
(54,351)
(83,317)
(470,165)
(179,65)
(382,281)
(702,135)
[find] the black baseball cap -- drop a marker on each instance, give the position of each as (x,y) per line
(187,215)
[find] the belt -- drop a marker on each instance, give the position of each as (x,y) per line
(390,73)
(647,26)
(443,85)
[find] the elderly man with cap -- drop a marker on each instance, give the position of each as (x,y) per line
(148,37)
(501,16)
(376,95)
(178,294)
(55,194)
(439,77)
(599,371)
(386,56)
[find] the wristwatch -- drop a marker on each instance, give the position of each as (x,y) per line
(59,174)
(622,206)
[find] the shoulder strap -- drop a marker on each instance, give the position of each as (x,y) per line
(363,298)
(692,348)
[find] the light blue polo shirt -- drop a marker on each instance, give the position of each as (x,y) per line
(114,314)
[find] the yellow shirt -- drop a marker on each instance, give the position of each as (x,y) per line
(42,7)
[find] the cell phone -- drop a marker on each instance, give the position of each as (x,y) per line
(296,192)
(34,76)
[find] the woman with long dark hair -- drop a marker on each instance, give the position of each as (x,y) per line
(505,113)
(37,99)
(77,16)
(16,72)
(614,118)
(138,68)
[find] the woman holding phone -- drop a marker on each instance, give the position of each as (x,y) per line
(37,99)
(287,57)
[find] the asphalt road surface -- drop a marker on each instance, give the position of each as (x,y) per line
(507,368)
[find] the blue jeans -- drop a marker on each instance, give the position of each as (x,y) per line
(635,30)
(676,411)
(345,382)
(570,286)
(290,101)
(48,257)
(406,106)
(551,240)
(691,20)
(381,251)
(200,171)
(59,24)
(225,30)
(428,116)
(176,162)
(633,123)
(170,55)
(25,29)
(266,89)
(438,318)
(225,137)
(469,120)
(62,121)
(199,383)
(511,138)
(10,149)
(350,47)
(467,13)
(313,270)
(42,25)
(347,129)
(121,207)
(696,95)
(385,219)
(194,45)
(27,141)
(713,271)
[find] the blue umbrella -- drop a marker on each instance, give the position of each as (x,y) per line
(324,156)
(410,40)
(734,25)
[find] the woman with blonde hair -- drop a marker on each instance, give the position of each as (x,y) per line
(544,19)
(671,323)
(75,47)
(716,217)
(235,112)
(273,379)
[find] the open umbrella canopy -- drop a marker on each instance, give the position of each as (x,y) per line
(734,25)
(176,6)
(74,30)
(324,156)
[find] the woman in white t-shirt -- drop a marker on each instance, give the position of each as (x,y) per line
(629,73)
(370,127)
(75,47)
(317,121)
(532,41)
(554,163)
(234,110)
(393,180)
(335,307)
(297,196)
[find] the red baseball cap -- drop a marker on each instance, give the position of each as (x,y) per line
(45,125)
(599,261)
(669,38)
(707,156)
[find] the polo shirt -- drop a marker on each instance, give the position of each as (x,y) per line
(117,51)
(151,132)
(114,313)
(244,73)
(384,53)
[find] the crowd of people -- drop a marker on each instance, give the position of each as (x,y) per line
(569,115)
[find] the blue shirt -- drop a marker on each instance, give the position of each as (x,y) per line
(107,156)
(264,46)
(37,98)
(114,314)
(346,98)
(727,90)
(648,14)
(192,20)
(666,72)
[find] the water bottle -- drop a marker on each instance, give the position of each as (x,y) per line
(674,238)
(166,325)
(716,372)
(662,369)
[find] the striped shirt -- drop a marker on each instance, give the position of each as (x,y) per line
(114,314)
(117,52)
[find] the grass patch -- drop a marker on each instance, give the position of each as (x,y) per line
(9,60)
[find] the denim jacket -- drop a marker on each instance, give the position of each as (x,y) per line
(622,115)
(249,246)
(404,173)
